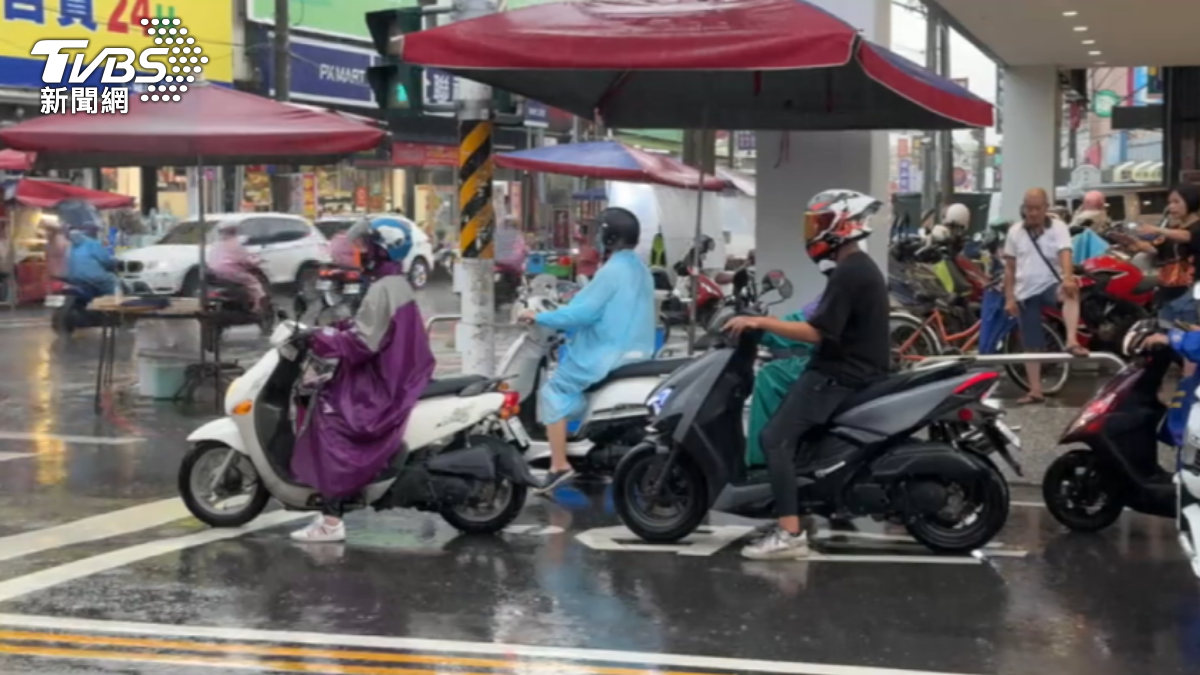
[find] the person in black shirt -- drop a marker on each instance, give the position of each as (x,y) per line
(850,331)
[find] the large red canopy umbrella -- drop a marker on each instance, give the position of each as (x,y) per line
(13,160)
(728,64)
(47,194)
(608,160)
(211,125)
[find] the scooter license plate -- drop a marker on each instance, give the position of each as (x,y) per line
(1009,434)
(324,285)
(351,289)
(517,433)
(56,300)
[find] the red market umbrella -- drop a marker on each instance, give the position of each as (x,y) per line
(46,194)
(12,160)
(734,64)
(608,160)
(211,125)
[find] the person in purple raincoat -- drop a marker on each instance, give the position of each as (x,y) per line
(355,423)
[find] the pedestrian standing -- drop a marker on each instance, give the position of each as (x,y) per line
(1039,274)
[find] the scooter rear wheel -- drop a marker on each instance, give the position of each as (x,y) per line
(956,533)
(1080,494)
(684,489)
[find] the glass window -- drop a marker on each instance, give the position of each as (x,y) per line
(255,231)
(1115,207)
(187,232)
(283,230)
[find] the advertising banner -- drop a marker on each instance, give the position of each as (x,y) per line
(323,72)
(420,154)
(537,115)
(107,24)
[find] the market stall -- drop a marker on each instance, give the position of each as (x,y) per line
(24,204)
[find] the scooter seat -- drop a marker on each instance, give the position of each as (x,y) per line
(651,368)
(1146,285)
(450,386)
(902,382)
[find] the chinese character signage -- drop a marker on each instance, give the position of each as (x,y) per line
(111,28)
(440,87)
(906,181)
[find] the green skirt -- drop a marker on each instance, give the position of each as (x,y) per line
(770,386)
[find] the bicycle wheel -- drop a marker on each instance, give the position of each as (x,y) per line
(905,330)
(1054,375)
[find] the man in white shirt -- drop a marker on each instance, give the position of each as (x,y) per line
(1039,272)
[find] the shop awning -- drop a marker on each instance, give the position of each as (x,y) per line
(736,64)
(210,125)
(608,160)
(47,194)
(13,160)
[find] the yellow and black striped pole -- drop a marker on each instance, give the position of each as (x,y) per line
(476,167)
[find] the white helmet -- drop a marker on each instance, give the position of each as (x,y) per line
(958,214)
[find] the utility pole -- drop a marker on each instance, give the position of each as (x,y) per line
(477,217)
(281,181)
(945,138)
(929,182)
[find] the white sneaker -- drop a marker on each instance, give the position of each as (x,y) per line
(778,545)
(321,532)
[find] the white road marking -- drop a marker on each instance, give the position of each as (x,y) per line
(5,456)
(534,530)
(705,541)
(53,576)
(1028,505)
(641,659)
(91,440)
(103,526)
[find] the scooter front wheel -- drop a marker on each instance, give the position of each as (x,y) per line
(1080,494)
(220,487)
(656,507)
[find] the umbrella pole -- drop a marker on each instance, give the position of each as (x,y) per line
(203,232)
(696,240)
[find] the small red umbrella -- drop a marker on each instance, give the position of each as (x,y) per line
(13,160)
(210,125)
(727,64)
(47,194)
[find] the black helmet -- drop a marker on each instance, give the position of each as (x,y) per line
(618,228)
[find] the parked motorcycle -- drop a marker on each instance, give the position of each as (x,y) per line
(615,417)
(952,499)
(460,457)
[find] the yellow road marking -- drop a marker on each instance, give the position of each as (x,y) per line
(304,653)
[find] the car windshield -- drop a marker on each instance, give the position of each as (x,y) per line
(332,227)
(187,232)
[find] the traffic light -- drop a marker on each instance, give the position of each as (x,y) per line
(398,87)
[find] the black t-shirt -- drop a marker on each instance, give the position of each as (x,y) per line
(1176,261)
(853,322)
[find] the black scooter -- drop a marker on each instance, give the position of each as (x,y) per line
(946,491)
(1086,488)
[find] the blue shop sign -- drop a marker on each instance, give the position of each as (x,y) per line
(537,115)
(323,72)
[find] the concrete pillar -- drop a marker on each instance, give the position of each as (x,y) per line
(792,167)
(1031,111)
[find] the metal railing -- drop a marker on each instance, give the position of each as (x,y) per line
(1011,359)
(440,318)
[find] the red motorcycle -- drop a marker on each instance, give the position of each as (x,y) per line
(708,297)
(1114,295)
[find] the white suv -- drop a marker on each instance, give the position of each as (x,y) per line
(290,247)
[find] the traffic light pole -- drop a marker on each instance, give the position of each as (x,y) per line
(477,216)
(281,180)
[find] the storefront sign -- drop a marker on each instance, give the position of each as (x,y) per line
(905,181)
(360,197)
(106,24)
(419,154)
(746,141)
(537,115)
(340,18)
(310,195)
(440,87)
(324,72)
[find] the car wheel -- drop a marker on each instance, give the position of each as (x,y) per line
(418,273)
(191,284)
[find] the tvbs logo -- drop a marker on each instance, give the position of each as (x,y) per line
(119,64)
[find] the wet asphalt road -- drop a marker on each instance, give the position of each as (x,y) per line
(140,587)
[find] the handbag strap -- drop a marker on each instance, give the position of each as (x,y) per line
(1042,255)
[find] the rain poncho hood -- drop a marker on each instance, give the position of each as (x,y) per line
(613,320)
(772,381)
(89,263)
(356,422)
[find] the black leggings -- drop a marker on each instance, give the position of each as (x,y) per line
(808,406)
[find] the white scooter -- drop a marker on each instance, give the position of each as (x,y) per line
(616,415)
(461,457)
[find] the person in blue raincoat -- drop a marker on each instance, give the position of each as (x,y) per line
(90,265)
(614,323)
(1186,343)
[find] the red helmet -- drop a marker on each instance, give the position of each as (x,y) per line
(836,218)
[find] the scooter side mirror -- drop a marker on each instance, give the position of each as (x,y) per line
(777,281)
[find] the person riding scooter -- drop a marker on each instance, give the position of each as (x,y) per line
(615,323)
(351,428)
(367,234)
(232,263)
(90,266)
(850,333)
